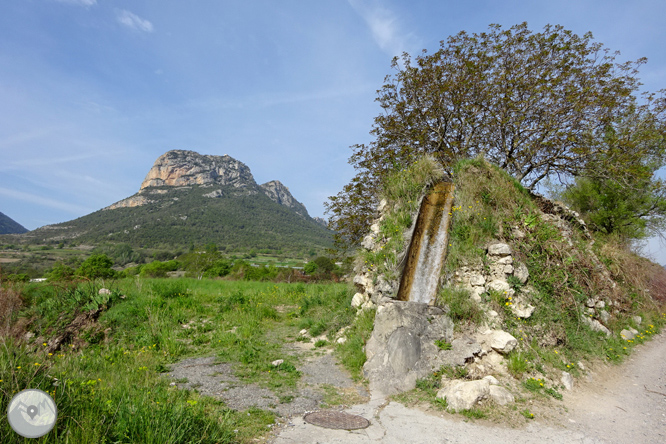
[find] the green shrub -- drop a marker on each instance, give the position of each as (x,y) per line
(60,272)
(96,266)
(157,269)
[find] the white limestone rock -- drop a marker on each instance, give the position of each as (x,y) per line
(604,315)
(500,395)
(499,249)
(498,340)
(520,271)
(627,335)
(499,285)
(368,305)
(476,292)
(464,349)
(491,380)
(368,242)
(522,309)
(359,299)
(567,381)
(595,325)
(507,260)
(463,395)
(476,280)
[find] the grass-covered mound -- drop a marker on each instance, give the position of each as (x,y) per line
(568,266)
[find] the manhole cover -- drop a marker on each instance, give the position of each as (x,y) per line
(336,420)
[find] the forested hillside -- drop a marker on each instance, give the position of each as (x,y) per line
(10,226)
(180,217)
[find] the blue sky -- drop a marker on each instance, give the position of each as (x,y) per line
(93,91)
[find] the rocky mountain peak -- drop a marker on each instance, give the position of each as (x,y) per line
(279,193)
(183,168)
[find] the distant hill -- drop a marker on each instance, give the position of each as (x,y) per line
(188,198)
(10,226)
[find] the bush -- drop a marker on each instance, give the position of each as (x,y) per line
(310,268)
(96,266)
(220,268)
(159,269)
(61,272)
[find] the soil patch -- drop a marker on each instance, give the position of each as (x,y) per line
(322,379)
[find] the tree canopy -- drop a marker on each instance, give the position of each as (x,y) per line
(535,104)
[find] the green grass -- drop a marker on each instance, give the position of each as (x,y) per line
(113,390)
(352,352)
(461,308)
(473,413)
(443,345)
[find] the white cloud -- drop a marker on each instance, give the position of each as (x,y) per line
(79,2)
(385,27)
(44,201)
(134,21)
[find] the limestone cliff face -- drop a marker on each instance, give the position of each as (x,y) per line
(130,202)
(321,221)
(182,168)
(279,193)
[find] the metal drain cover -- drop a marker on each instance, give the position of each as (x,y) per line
(336,420)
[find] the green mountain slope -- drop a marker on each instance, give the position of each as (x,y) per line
(183,216)
(188,198)
(10,226)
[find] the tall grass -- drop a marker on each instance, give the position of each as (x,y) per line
(111,390)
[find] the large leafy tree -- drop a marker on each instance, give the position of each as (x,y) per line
(533,103)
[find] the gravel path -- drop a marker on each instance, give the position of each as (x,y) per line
(618,405)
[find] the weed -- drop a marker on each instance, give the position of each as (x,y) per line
(321,343)
(526,413)
(554,393)
(441,403)
(517,364)
(461,307)
(443,345)
(454,372)
(533,384)
(430,383)
(351,353)
(473,413)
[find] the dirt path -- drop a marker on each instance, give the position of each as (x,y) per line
(623,404)
(322,381)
